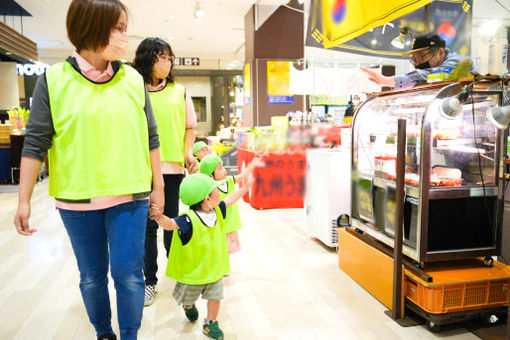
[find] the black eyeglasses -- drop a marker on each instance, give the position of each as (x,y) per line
(166,57)
(419,59)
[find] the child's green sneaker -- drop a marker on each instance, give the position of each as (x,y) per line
(191,312)
(212,330)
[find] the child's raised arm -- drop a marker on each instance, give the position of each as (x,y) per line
(233,197)
(163,221)
(255,163)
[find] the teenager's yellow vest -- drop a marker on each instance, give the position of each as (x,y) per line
(204,259)
(170,112)
(101,141)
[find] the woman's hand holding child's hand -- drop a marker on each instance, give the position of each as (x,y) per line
(154,212)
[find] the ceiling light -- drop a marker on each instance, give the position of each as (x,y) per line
(8,53)
(198,13)
(172,17)
(499,116)
(171,37)
(489,27)
(301,1)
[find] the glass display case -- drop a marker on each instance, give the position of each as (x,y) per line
(453,171)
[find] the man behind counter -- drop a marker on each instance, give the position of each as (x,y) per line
(428,52)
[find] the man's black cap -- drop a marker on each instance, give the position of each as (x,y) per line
(424,41)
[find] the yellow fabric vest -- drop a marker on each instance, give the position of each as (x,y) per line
(204,259)
(101,141)
(233,219)
(169,107)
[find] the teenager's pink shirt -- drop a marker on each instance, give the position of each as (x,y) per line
(171,168)
(104,202)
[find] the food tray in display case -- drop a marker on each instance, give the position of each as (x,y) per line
(453,171)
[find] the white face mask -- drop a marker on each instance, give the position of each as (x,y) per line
(117,46)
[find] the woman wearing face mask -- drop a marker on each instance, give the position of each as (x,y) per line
(176,120)
(94,118)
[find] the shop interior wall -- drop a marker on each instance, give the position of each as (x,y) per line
(486,10)
(9,87)
(199,86)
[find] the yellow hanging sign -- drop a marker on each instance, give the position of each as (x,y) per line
(344,20)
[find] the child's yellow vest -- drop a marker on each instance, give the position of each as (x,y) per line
(233,219)
(204,259)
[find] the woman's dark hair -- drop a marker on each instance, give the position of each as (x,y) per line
(147,55)
(90,22)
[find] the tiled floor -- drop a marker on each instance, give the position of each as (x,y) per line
(284,285)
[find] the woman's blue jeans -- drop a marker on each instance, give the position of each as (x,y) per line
(114,236)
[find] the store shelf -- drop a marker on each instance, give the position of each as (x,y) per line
(457,192)
(382,182)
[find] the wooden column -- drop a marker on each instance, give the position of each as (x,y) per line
(280,37)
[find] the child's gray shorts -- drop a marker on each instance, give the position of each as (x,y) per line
(188,294)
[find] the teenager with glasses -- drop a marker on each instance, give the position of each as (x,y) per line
(176,120)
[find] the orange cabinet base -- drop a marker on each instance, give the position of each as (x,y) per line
(459,286)
(370,268)
(456,286)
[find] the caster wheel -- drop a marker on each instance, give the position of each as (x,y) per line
(488,261)
(492,319)
(433,327)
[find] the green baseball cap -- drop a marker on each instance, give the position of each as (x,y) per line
(195,188)
(208,164)
(197,146)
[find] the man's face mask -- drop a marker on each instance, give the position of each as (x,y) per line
(424,65)
(117,46)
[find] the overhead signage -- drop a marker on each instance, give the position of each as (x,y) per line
(450,19)
(187,61)
(31,69)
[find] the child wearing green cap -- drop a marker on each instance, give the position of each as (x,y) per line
(200,150)
(212,165)
(198,258)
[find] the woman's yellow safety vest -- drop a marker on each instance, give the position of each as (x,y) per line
(169,107)
(101,141)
